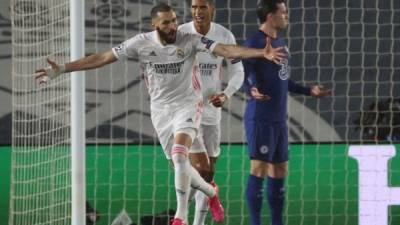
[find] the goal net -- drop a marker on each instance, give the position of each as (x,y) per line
(349,46)
(40,186)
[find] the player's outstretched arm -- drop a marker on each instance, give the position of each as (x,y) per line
(236,52)
(90,62)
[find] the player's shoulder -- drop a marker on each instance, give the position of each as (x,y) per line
(186,27)
(220,28)
(186,36)
(256,39)
(221,34)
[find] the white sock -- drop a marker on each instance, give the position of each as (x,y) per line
(192,194)
(199,183)
(182,179)
(201,210)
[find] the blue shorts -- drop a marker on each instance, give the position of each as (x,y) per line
(267,141)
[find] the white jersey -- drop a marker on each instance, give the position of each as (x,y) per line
(210,70)
(170,71)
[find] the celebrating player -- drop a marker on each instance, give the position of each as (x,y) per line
(171,75)
(268,84)
(205,149)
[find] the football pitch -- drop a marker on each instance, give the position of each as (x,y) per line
(322,186)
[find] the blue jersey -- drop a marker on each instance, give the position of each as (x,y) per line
(271,79)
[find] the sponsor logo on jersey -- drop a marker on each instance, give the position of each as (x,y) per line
(166,68)
(180,53)
(152,53)
(207,42)
(206,69)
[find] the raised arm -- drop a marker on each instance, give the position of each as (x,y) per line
(91,62)
(240,52)
(86,63)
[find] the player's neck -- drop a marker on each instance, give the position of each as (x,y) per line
(202,29)
(269,30)
(162,41)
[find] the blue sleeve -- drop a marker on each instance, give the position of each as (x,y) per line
(249,70)
(249,76)
(298,89)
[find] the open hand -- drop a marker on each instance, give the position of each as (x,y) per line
(45,74)
(318,91)
(273,54)
(258,96)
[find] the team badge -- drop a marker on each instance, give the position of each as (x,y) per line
(207,42)
(264,149)
(180,53)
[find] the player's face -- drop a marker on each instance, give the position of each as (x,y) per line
(280,19)
(202,12)
(166,26)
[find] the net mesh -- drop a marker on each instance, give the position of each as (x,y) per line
(40,187)
(349,46)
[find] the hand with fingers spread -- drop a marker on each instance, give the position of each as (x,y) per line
(45,74)
(218,100)
(258,96)
(273,54)
(318,91)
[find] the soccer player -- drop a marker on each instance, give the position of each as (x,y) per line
(268,84)
(205,149)
(171,75)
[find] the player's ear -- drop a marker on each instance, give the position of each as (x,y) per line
(269,17)
(212,7)
(154,22)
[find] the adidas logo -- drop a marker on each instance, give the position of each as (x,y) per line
(189,120)
(152,53)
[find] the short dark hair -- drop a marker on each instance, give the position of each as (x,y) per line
(264,7)
(160,7)
(211,2)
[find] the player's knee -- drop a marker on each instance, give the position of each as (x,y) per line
(258,168)
(258,172)
(277,171)
(185,136)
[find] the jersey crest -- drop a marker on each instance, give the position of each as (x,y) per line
(180,53)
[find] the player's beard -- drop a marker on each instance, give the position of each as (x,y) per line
(169,37)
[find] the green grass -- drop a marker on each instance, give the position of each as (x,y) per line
(321,186)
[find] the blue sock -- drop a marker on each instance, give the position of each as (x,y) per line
(254,196)
(276,198)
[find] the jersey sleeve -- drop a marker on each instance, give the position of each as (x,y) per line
(249,70)
(235,69)
(202,44)
(298,89)
(128,48)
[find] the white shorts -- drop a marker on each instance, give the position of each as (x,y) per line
(208,139)
(170,119)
